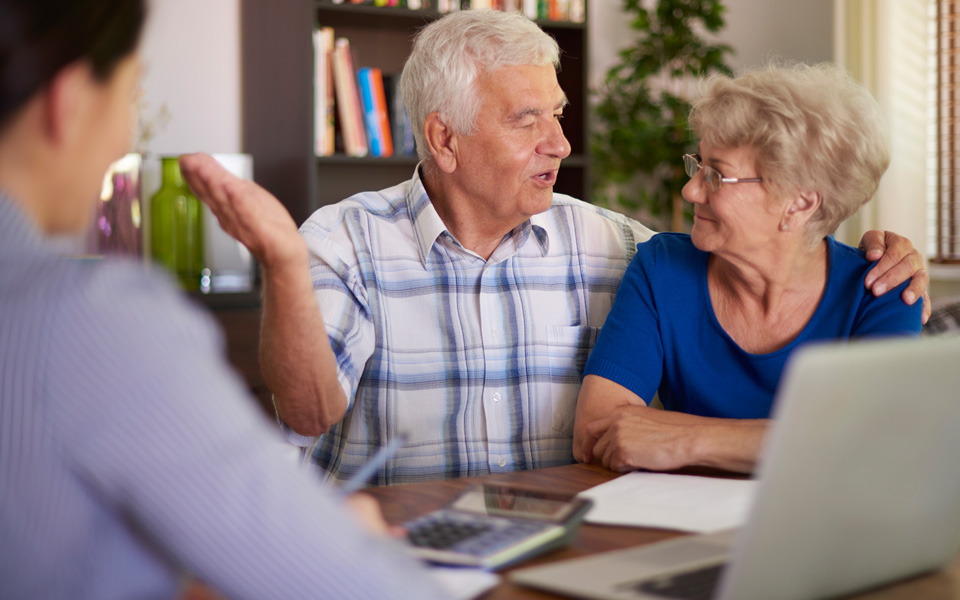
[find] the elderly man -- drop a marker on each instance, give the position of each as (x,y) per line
(460,306)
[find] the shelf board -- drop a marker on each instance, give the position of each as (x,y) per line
(228,300)
(575,160)
(402,17)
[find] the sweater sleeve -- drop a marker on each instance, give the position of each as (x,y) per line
(157,425)
(629,350)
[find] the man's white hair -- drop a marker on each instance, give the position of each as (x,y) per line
(452,52)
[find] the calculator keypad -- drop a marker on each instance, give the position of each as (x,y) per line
(467,534)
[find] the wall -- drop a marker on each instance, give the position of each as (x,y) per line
(191,54)
(757,29)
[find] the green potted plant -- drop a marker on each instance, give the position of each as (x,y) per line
(640,118)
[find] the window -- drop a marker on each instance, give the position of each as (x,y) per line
(945,203)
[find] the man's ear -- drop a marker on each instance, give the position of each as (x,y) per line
(441,142)
(64,99)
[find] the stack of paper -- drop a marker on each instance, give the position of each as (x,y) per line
(665,501)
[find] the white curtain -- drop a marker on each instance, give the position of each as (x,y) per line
(886,45)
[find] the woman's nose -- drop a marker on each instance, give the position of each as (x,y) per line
(693,190)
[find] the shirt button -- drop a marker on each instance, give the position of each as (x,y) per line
(501,461)
(496,398)
(493,333)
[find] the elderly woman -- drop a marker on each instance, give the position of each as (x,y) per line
(709,319)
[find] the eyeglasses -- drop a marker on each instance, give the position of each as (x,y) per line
(711,176)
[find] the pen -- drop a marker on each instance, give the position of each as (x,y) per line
(379,459)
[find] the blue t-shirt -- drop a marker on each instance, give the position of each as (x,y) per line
(662,331)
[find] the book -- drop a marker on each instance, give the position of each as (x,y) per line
(324,98)
(374,103)
(531,9)
(400,127)
(558,10)
(578,11)
(348,101)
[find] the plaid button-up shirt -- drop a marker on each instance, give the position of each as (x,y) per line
(478,362)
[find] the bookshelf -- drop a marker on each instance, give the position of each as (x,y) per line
(278,97)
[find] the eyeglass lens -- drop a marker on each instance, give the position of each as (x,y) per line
(711,176)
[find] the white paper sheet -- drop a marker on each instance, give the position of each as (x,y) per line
(463,583)
(683,502)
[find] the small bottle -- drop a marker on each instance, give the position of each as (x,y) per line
(176,227)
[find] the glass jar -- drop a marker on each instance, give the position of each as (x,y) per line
(176,227)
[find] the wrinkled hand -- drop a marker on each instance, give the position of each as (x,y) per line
(898,262)
(246,211)
(367,511)
(638,437)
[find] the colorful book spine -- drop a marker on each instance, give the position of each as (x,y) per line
(531,9)
(348,101)
(370,81)
(559,10)
(400,128)
(383,114)
(578,11)
(324,97)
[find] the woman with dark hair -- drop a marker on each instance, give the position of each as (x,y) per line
(130,455)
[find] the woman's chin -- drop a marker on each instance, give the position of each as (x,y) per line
(700,239)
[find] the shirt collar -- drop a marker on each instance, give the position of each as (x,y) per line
(428,226)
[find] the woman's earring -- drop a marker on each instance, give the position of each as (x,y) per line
(783,226)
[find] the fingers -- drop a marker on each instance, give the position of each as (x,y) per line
(586,449)
(917,288)
(895,274)
(604,441)
(367,511)
(206,177)
(593,431)
(900,262)
(927,309)
(874,244)
(611,453)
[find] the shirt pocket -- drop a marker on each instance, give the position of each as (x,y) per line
(567,350)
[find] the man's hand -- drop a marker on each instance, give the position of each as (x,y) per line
(296,359)
(898,262)
(367,511)
(246,211)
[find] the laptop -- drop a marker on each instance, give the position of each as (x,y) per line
(858,487)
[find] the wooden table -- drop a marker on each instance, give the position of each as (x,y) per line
(404,502)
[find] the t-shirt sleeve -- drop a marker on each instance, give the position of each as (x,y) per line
(887,315)
(629,350)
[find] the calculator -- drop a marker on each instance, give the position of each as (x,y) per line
(493,526)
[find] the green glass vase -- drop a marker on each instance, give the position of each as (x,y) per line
(176,227)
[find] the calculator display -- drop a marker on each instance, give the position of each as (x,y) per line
(515,502)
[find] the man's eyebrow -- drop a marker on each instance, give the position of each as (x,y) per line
(535,112)
(525,112)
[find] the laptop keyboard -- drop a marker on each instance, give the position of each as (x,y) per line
(689,585)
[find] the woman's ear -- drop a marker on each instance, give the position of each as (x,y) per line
(64,100)
(800,210)
(441,142)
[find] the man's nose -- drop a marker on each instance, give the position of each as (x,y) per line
(554,142)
